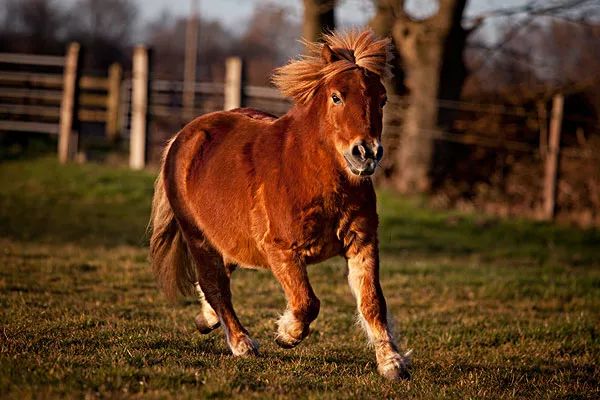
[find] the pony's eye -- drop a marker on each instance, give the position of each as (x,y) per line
(336,100)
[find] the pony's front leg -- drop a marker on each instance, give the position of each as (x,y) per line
(302,303)
(363,277)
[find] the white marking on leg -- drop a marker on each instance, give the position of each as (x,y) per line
(354,280)
(395,366)
(207,319)
(390,363)
(244,347)
(286,323)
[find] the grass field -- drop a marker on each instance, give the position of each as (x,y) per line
(492,308)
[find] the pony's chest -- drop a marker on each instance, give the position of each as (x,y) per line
(310,232)
(318,240)
(317,232)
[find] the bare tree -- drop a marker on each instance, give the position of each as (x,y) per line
(166,36)
(33,26)
(257,46)
(319,17)
(423,46)
(106,26)
(430,52)
(113,20)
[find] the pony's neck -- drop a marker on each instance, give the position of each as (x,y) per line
(309,153)
(309,126)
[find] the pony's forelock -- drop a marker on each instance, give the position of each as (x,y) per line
(300,78)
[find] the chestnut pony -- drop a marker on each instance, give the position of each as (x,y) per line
(243,188)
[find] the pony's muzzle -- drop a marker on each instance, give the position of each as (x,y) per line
(363,157)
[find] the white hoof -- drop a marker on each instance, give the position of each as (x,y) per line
(207,321)
(395,366)
(290,331)
(244,346)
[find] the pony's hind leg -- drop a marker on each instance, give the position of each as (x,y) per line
(207,319)
(214,282)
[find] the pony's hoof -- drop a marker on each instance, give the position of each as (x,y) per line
(290,331)
(286,341)
(396,367)
(206,324)
(244,347)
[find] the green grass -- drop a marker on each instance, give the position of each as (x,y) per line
(492,308)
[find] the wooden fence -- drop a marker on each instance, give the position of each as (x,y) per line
(54,101)
(145,99)
(127,105)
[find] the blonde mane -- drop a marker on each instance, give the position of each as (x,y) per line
(300,78)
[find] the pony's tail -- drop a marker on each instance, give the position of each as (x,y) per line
(170,257)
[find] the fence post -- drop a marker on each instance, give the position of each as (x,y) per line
(139,108)
(233,83)
(67,138)
(115,73)
(551,170)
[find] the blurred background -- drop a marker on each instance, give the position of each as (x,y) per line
(491,168)
(494,106)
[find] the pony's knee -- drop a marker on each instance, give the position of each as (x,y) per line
(307,312)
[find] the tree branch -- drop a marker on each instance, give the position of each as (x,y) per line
(531,9)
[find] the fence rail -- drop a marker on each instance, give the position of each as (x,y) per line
(35,101)
(61,101)
(32,78)
(31,59)
(22,126)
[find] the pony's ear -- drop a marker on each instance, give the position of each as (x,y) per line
(328,55)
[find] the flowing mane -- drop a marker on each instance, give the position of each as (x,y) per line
(300,78)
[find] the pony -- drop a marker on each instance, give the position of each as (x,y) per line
(244,188)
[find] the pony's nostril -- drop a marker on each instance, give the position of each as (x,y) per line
(359,151)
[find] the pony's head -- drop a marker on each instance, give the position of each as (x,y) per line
(343,78)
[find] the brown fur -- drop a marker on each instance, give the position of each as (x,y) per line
(245,188)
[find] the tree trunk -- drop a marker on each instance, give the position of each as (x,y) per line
(426,48)
(416,145)
(319,17)
(453,70)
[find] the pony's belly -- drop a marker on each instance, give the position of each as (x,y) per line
(248,257)
(240,250)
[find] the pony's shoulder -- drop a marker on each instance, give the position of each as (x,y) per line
(254,114)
